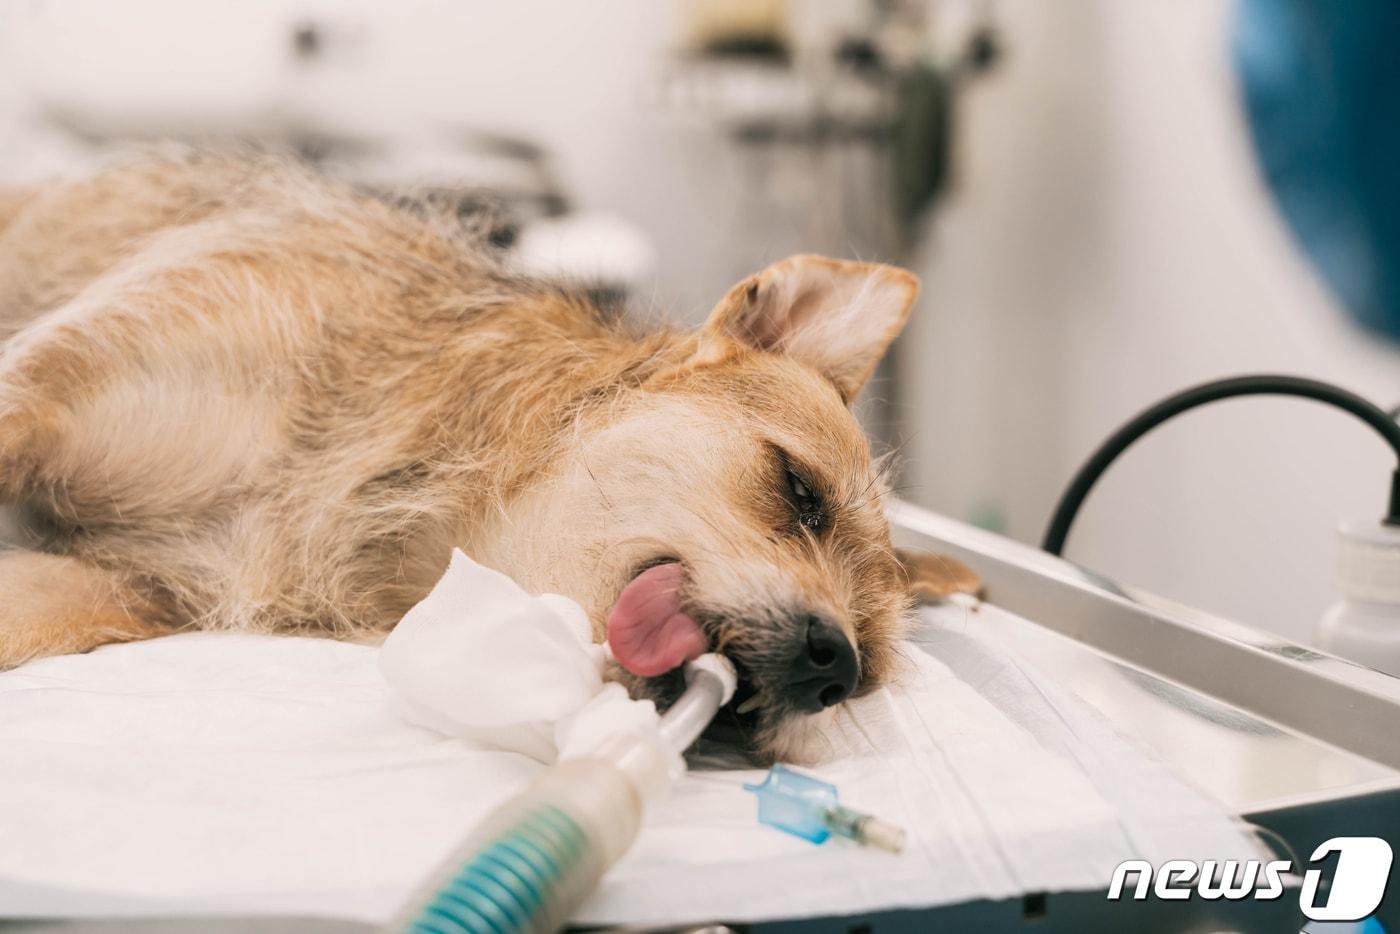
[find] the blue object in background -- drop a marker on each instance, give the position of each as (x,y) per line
(1321,86)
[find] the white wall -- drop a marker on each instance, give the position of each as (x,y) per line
(1109,243)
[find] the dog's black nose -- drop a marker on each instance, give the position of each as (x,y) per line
(824,669)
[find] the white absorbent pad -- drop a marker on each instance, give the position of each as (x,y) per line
(248,774)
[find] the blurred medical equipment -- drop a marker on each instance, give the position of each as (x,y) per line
(839,119)
(1364,625)
(1365,628)
(288,77)
(1203,394)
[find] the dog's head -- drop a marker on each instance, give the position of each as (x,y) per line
(732,503)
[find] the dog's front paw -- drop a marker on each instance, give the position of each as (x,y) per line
(932,577)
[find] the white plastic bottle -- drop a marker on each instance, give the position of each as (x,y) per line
(1364,627)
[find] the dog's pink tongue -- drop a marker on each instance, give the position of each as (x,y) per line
(648,633)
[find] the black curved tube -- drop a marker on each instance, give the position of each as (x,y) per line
(1263,385)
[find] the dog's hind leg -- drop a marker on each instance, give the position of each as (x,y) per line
(56,605)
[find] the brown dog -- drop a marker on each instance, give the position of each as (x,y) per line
(239,396)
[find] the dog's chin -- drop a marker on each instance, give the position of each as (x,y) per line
(802,739)
(762,735)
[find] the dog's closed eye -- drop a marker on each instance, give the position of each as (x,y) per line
(811,513)
(807,504)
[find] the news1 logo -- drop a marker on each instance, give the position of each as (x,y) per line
(1363,868)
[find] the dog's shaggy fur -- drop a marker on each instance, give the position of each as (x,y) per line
(235,395)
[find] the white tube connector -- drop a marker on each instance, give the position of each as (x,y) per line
(710,682)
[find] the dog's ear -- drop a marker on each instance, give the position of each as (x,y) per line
(933,577)
(833,315)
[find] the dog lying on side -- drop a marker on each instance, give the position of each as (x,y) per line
(239,396)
